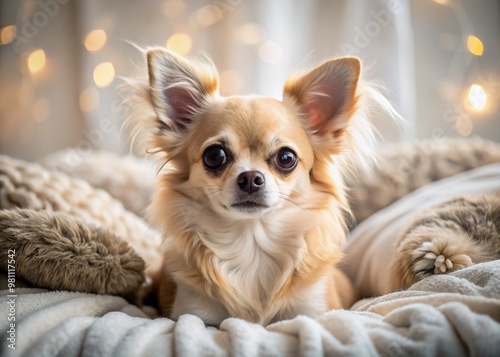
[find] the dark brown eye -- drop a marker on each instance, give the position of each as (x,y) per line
(285,159)
(214,157)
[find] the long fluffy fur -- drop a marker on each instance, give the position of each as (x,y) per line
(95,260)
(280,264)
(448,237)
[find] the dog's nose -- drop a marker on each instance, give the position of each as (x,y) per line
(251,181)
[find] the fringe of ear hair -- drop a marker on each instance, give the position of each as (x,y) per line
(362,138)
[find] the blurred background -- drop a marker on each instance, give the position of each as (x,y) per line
(61,60)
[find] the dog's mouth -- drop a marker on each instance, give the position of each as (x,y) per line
(249,206)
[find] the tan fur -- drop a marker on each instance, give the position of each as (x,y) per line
(55,251)
(448,237)
(277,262)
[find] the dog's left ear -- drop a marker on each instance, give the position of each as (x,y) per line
(326,95)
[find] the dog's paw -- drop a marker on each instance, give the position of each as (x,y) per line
(439,257)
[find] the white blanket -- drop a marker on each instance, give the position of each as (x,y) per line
(463,318)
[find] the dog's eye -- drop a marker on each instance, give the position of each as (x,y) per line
(214,157)
(286,159)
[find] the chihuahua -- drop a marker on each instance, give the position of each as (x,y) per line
(251,204)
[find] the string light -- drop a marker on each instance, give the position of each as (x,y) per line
(476,97)
(104,74)
(95,40)
(475,45)
(180,43)
(36,61)
(7,34)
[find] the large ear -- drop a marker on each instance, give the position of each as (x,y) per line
(326,95)
(179,87)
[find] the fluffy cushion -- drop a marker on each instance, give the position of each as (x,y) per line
(30,186)
(404,168)
(57,252)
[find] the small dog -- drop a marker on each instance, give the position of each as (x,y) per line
(252,204)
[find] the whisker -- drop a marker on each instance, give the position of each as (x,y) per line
(282,197)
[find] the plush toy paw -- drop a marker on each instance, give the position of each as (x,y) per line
(436,260)
(447,237)
(440,256)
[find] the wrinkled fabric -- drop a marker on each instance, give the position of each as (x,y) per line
(447,315)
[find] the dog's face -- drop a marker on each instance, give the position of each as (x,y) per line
(248,156)
(251,155)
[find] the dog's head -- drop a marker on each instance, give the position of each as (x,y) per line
(246,156)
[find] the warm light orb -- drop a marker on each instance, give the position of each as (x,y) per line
(104,74)
(475,45)
(36,61)
(250,34)
(89,99)
(441,2)
(7,34)
(180,43)
(95,40)
(208,15)
(477,97)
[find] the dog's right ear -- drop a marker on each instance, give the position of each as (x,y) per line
(179,87)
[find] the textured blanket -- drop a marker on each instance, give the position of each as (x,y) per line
(448,315)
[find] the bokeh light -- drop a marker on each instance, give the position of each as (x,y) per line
(250,34)
(208,15)
(95,40)
(180,43)
(477,97)
(89,99)
(475,45)
(7,34)
(104,74)
(36,61)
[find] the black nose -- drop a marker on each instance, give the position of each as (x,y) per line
(251,181)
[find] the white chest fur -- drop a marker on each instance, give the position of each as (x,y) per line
(255,258)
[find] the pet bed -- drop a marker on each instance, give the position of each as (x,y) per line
(454,314)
